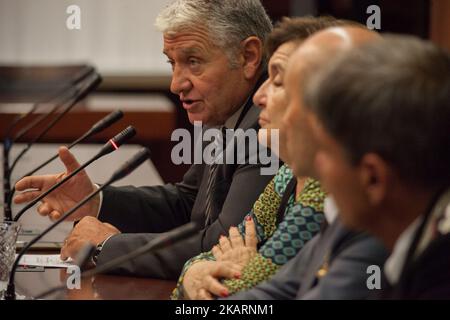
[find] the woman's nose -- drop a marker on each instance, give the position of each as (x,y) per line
(260,97)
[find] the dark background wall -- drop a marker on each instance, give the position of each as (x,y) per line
(399,16)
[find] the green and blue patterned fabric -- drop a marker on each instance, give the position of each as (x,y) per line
(278,243)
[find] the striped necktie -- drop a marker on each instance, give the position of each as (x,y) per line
(212,169)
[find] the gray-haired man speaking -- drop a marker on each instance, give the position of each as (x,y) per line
(215,48)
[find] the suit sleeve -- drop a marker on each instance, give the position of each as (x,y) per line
(151,209)
(347,277)
(168,263)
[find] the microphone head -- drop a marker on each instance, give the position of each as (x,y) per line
(117,141)
(123,136)
(107,121)
(129,166)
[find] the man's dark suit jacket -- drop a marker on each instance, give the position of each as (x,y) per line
(343,253)
(144,213)
(428,277)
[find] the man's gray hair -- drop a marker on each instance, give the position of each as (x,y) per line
(390,97)
(228,21)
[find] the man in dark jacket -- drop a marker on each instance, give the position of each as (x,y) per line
(383,114)
(216,52)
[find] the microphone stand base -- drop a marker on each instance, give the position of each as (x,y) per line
(16,296)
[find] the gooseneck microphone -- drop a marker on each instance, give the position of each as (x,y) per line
(112,145)
(125,169)
(165,240)
(84,256)
(60,96)
(96,128)
(81,91)
(40,118)
(101,125)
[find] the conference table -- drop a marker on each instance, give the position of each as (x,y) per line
(154,119)
(33,282)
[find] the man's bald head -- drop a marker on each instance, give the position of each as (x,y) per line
(325,45)
(317,51)
(383,119)
(345,36)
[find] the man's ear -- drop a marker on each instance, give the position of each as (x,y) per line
(251,56)
(375,177)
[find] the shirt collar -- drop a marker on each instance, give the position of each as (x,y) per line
(395,263)
(438,211)
(330,209)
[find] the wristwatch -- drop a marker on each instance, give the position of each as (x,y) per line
(97,251)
